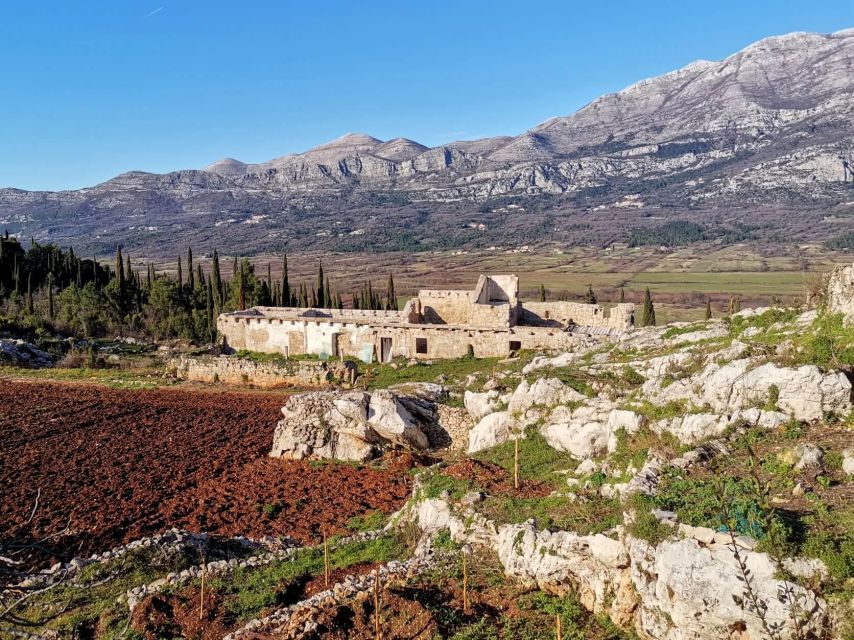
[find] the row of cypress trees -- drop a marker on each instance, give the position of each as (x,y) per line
(47,287)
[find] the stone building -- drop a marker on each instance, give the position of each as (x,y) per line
(490,320)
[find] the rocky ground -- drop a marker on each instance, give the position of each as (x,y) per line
(692,481)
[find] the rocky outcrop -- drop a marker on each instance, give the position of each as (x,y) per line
(684,588)
(543,392)
(805,392)
(20,353)
(590,430)
(353,425)
(839,292)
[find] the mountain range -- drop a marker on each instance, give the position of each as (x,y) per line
(760,144)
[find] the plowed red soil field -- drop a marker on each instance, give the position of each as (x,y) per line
(114,465)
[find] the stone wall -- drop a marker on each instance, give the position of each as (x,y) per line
(567,314)
(244,371)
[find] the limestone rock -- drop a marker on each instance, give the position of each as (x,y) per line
(804,456)
(839,292)
(591,430)
(392,421)
(491,431)
(691,591)
(580,439)
(693,427)
(804,392)
(848,461)
(351,425)
(480,404)
(544,392)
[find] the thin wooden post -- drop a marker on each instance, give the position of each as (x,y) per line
(377,629)
(325,559)
(465,585)
(558,632)
(202,590)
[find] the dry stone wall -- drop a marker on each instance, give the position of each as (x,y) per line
(244,371)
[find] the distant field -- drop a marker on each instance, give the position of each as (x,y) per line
(783,283)
(680,278)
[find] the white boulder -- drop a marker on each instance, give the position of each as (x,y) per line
(392,421)
(544,392)
(481,404)
(491,431)
(351,425)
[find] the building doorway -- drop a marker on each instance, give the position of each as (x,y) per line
(385,349)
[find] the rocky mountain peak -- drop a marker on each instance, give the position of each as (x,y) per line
(769,126)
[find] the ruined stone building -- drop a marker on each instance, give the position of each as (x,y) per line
(490,320)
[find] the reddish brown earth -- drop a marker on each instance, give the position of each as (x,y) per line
(114,465)
(495,479)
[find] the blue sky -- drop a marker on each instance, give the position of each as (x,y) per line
(91,89)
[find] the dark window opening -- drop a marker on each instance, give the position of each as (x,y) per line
(420,345)
(515,345)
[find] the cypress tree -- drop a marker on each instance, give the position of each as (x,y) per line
(320,299)
(209,311)
(120,271)
(128,270)
(708,309)
(286,286)
(329,299)
(190,276)
(30,292)
(355,301)
(391,303)
(234,268)
(216,282)
(50,295)
(180,275)
(590,297)
(542,292)
(200,275)
(79,274)
(648,317)
(622,295)
(241,291)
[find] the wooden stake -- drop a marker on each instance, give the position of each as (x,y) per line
(516,462)
(202,591)
(559,633)
(325,559)
(465,585)
(377,604)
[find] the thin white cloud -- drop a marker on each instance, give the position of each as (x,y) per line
(157,10)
